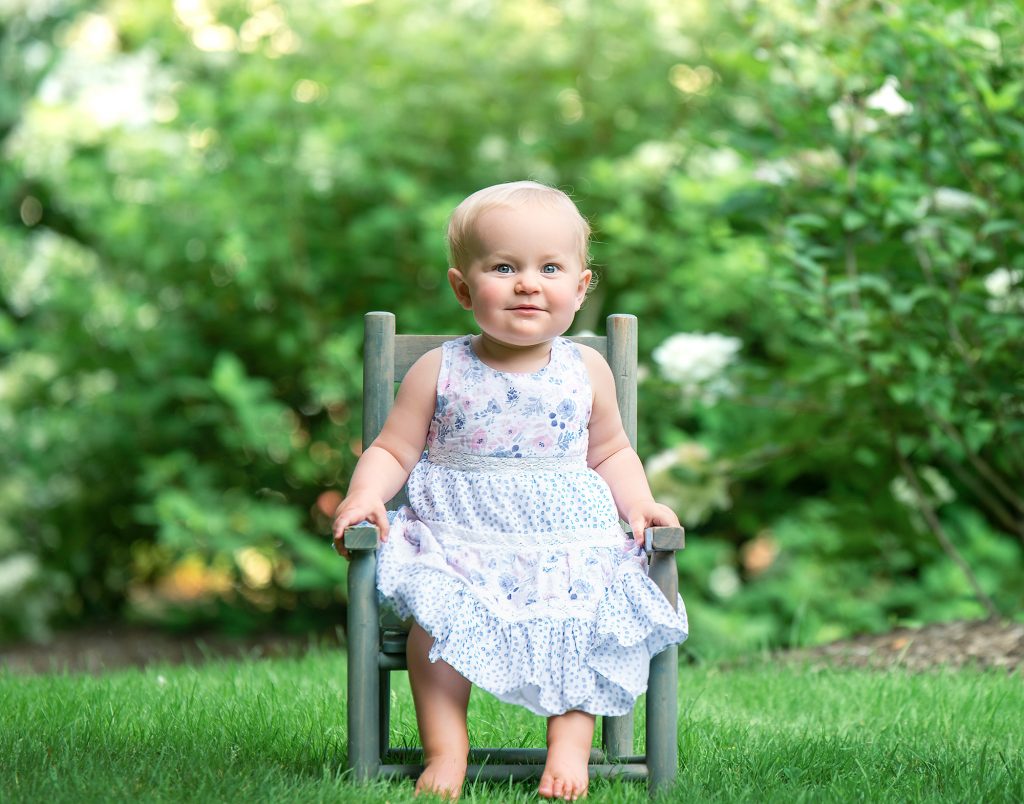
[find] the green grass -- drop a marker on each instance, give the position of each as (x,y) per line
(274,730)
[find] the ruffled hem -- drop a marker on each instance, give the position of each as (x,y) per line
(598,663)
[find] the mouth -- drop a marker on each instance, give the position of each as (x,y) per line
(527,307)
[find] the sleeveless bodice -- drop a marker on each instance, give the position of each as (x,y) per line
(506,453)
(485,412)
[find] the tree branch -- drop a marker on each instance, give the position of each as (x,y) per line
(940,534)
(996,508)
(977,461)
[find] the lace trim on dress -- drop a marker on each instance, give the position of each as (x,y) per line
(577,539)
(468,462)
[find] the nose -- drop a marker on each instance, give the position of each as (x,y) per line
(526,282)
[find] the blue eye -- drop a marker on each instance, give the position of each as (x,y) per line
(550,268)
(503,268)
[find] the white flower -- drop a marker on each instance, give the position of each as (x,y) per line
(819,161)
(111,92)
(887,99)
(30,283)
(940,487)
(848,120)
(1000,281)
(85,95)
(777,171)
(16,571)
(808,164)
(696,361)
(987,39)
(941,492)
(1004,286)
(953,201)
(661,462)
(690,454)
(656,157)
(724,581)
(713,163)
(493,148)
(948,201)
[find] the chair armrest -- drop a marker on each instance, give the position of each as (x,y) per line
(664,539)
(658,539)
(362,537)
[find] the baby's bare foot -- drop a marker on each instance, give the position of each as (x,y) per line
(565,772)
(443,777)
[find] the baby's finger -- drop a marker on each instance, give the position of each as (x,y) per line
(339,546)
(638,531)
(342,523)
(339,525)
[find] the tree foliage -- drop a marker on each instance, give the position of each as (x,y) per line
(201,201)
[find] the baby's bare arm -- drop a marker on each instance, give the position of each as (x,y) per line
(611,455)
(385,465)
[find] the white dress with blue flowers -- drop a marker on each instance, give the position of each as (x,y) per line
(511,555)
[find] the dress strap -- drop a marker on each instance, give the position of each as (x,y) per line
(447,354)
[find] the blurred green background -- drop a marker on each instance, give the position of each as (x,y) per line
(815,208)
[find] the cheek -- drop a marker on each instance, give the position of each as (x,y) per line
(566,295)
(488,295)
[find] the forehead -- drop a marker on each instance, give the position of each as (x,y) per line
(528,226)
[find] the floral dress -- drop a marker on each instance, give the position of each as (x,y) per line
(511,555)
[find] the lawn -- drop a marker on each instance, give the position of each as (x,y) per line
(274,730)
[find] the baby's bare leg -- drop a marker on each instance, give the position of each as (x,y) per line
(565,772)
(441,696)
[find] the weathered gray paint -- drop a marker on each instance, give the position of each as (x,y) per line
(508,756)
(361,537)
(519,773)
(663,538)
(363,678)
(662,688)
(617,732)
(622,344)
(378,372)
(383,710)
(364,700)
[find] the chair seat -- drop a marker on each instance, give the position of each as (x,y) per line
(393,642)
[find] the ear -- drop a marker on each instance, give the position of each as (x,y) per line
(460,287)
(581,289)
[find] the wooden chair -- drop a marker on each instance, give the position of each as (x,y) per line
(375,649)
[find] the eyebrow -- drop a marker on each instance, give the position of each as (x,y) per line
(549,257)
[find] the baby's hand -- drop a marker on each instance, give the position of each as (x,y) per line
(354,509)
(647,514)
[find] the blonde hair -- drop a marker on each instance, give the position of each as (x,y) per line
(510,194)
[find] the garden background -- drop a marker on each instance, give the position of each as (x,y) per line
(814,208)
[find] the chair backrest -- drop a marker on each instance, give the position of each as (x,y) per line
(388,356)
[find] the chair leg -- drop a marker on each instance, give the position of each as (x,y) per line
(617,736)
(363,670)
(662,689)
(384,710)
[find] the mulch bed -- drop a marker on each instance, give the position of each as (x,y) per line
(996,644)
(99,650)
(979,643)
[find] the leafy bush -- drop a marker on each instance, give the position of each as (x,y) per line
(878,432)
(199,207)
